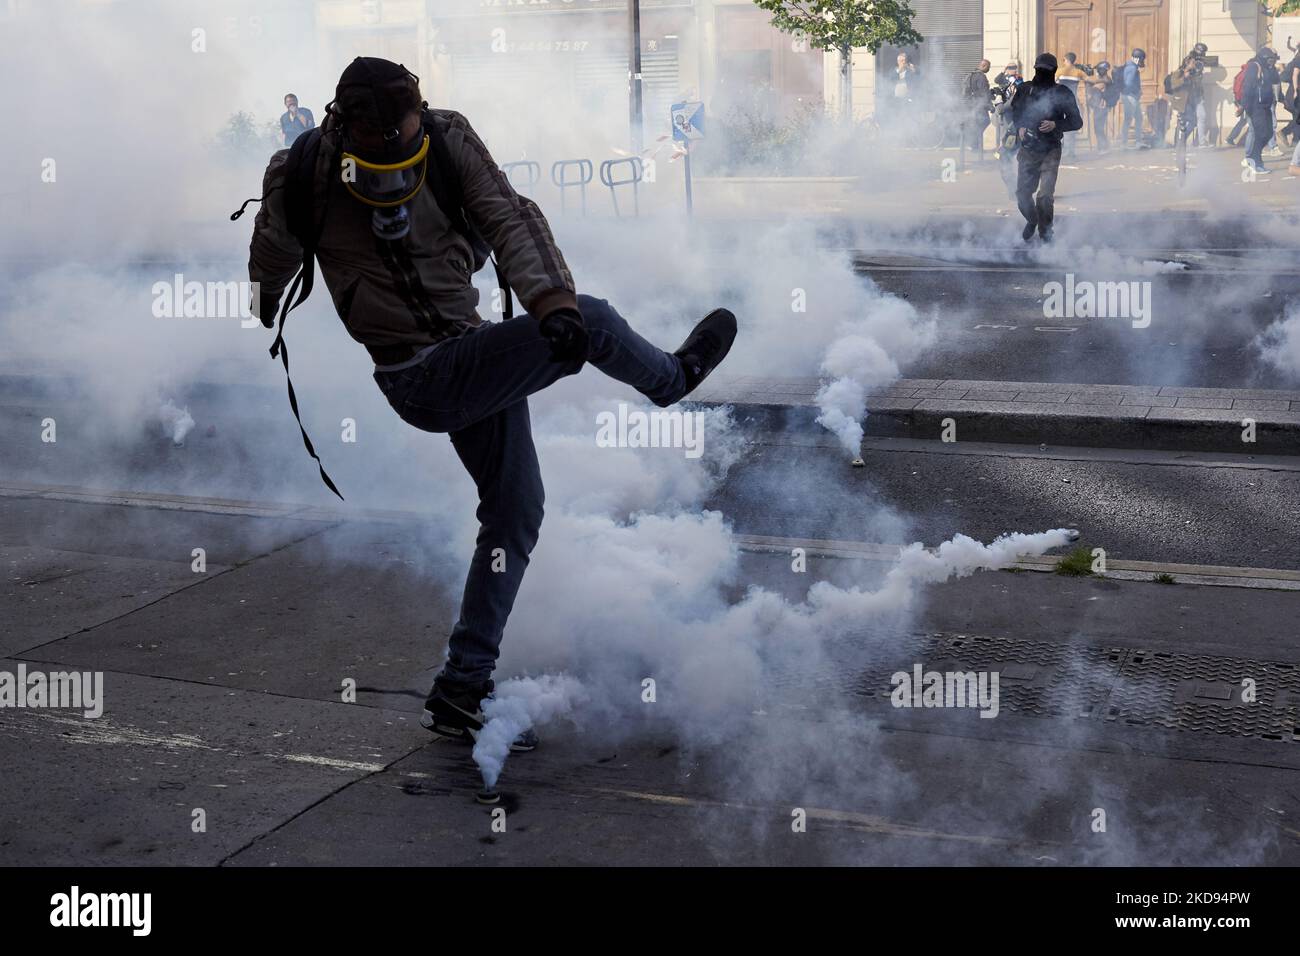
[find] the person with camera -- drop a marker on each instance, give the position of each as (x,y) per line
(1102,94)
(1042,112)
(1186,95)
(1003,93)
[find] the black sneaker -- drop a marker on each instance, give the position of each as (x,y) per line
(706,347)
(1028,232)
(455,711)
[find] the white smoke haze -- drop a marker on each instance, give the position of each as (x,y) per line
(517,705)
(654,593)
(633,578)
(1279,344)
(176,421)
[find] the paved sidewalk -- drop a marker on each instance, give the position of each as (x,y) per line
(222,695)
(1113,416)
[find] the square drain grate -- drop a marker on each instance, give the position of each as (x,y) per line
(1184,692)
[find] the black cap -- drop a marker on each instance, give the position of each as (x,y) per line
(1045,61)
(374,74)
(1139,54)
(371,71)
(1266,53)
(1200,49)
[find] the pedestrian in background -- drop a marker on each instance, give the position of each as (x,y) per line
(976,102)
(1292,103)
(1243,121)
(296,120)
(1103,94)
(1259,100)
(905,81)
(1129,78)
(1070,77)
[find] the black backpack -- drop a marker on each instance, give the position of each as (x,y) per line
(299,207)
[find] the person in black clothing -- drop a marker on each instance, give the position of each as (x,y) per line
(975,93)
(1258,99)
(1291,81)
(1042,112)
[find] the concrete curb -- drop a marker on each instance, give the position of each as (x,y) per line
(1176,418)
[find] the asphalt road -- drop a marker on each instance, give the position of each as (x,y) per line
(1155,506)
(222,695)
(992,323)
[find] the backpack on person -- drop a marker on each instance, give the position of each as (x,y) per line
(1239,83)
(298,183)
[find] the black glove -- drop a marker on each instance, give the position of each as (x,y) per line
(567,336)
(265,307)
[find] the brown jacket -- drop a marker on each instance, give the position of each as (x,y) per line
(398,297)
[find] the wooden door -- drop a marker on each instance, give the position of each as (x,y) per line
(1109,30)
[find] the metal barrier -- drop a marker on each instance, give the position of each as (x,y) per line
(560,176)
(531,170)
(607,177)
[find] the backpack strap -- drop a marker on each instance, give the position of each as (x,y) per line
(449,193)
(299,206)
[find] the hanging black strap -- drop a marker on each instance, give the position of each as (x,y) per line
(301,287)
(299,196)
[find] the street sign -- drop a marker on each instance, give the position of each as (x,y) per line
(688,121)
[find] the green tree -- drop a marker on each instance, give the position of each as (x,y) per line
(839,26)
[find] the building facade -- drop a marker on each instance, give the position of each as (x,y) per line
(574,54)
(1094,29)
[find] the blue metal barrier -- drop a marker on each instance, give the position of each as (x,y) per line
(635,169)
(532,172)
(560,176)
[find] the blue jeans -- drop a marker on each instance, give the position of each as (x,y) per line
(475,388)
(1270,125)
(1100,118)
(1261,133)
(1133,116)
(1202,124)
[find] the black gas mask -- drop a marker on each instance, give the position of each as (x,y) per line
(388,177)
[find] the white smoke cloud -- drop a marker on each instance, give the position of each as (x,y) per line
(176,421)
(518,705)
(1279,344)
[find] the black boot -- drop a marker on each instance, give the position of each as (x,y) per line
(1028,232)
(706,347)
(455,711)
